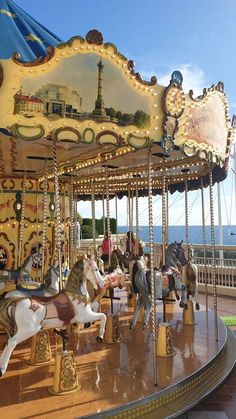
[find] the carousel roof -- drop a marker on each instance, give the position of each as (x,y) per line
(21,34)
(87,97)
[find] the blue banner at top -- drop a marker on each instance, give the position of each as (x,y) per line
(22,34)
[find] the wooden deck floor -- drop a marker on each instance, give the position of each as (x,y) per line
(110,375)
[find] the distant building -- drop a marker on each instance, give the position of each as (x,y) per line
(28,104)
(60,100)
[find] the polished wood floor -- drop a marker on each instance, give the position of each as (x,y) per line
(110,375)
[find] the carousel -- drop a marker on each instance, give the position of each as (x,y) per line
(80,338)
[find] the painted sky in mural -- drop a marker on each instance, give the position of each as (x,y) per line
(84,87)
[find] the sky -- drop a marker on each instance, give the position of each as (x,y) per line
(195,37)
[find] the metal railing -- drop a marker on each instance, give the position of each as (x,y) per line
(225,261)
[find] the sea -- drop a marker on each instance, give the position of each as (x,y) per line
(177,233)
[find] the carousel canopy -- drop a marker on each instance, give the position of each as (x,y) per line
(85,95)
(21,34)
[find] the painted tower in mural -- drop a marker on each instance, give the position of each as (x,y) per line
(99,110)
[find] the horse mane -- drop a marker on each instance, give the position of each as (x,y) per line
(75,278)
(25,262)
(47,278)
(191,275)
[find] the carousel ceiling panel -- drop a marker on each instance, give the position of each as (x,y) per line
(86,96)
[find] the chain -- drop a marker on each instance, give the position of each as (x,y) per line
(213,253)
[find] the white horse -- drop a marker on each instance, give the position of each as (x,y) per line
(25,317)
(49,287)
(23,272)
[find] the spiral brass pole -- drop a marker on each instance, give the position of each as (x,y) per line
(103,214)
(130,222)
(137,221)
(167,215)
(151,241)
(116,205)
(213,253)
(58,210)
(186,213)
(45,210)
(164,215)
(204,243)
(93,218)
(72,223)
(108,209)
(22,221)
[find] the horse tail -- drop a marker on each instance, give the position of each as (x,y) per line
(6,321)
(2,296)
(134,271)
(191,275)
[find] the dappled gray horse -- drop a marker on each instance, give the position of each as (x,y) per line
(165,280)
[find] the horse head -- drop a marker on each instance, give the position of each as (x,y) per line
(93,274)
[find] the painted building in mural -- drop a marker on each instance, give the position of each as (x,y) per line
(60,100)
(28,104)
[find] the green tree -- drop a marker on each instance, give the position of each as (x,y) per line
(142,119)
(79,218)
(87,232)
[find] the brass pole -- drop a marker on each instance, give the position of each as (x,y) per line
(45,209)
(204,243)
(93,219)
(108,209)
(72,223)
(117,237)
(186,212)
(22,221)
(137,221)
(58,210)
(164,214)
(213,253)
(103,214)
(151,241)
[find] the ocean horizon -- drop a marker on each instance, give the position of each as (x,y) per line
(177,233)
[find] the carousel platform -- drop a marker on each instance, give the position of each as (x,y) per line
(117,379)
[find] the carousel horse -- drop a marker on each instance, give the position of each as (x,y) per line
(23,318)
(23,272)
(166,280)
(189,274)
(50,286)
(119,260)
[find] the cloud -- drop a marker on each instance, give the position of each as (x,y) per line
(193,77)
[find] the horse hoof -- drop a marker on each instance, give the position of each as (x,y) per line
(181,304)
(131,325)
(197,306)
(1,373)
(87,325)
(99,339)
(144,327)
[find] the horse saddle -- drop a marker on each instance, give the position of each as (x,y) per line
(61,302)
